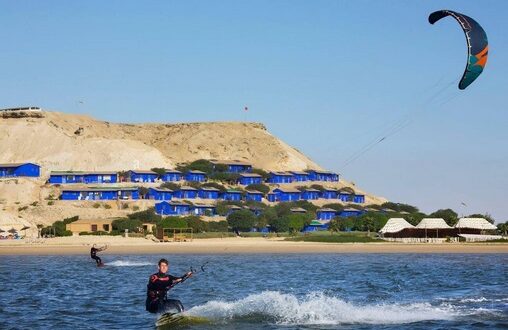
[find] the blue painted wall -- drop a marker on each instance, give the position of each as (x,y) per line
(24,170)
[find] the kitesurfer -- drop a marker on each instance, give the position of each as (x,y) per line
(158,286)
(93,254)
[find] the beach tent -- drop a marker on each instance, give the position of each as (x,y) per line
(433,223)
(475,223)
(394,225)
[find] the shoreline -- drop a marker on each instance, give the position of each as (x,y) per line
(72,246)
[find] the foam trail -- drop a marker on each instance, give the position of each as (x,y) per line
(317,308)
(127,263)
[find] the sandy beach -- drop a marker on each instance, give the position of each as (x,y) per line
(120,245)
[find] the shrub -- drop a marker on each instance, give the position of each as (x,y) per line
(243,220)
(133,225)
(51,203)
(22,208)
(107,206)
(259,187)
(125,206)
(96,205)
(135,208)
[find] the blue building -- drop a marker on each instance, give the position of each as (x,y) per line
(280,177)
(359,198)
(172,176)
(300,176)
(20,169)
(203,209)
(64,177)
(250,178)
(142,176)
(326,214)
(100,193)
(234,166)
(287,194)
(329,193)
(253,195)
(160,194)
(345,196)
(208,193)
(197,176)
(350,213)
(232,195)
(316,175)
(172,208)
(310,194)
(271,197)
(186,193)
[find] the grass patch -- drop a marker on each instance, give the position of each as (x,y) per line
(326,237)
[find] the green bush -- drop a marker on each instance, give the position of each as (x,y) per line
(133,225)
(51,203)
(259,187)
(96,205)
(22,208)
(242,220)
(172,222)
(107,206)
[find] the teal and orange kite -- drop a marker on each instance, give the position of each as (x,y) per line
(477,43)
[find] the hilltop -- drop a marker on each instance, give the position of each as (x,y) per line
(59,141)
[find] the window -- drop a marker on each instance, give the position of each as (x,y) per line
(94,228)
(105,227)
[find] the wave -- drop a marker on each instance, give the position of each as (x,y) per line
(127,263)
(317,308)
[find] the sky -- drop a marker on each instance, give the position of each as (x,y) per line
(331,78)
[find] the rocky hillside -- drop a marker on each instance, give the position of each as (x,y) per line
(59,141)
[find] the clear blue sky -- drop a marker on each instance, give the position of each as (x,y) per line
(325,76)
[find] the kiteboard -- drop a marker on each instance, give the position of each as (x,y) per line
(101,264)
(171,320)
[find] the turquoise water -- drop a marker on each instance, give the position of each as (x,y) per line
(355,291)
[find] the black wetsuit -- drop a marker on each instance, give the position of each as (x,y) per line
(93,255)
(158,286)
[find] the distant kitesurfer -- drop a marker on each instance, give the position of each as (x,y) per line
(93,254)
(158,286)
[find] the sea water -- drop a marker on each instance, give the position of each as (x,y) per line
(310,291)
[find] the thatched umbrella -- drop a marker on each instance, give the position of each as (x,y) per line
(25,228)
(12,230)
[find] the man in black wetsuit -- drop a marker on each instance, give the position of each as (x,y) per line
(93,254)
(158,285)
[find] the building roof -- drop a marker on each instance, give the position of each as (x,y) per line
(162,189)
(176,203)
(433,223)
(321,172)
(142,171)
(93,221)
(326,210)
(394,225)
(315,223)
(16,164)
(209,189)
(254,192)
(281,173)
(298,210)
(299,172)
(100,189)
(196,172)
(187,188)
(352,210)
(234,207)
(173,171)
(345,192)
(312,190)
(475,223)
(250,175)
(22,109)
(287,190)
(232,191)
(82,172)
(203,205)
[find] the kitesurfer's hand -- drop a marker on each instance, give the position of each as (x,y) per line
(189,274)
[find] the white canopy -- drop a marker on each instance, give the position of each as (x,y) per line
(394,225)
(475,223)
(433,223)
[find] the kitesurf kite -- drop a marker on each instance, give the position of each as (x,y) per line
(477,44)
